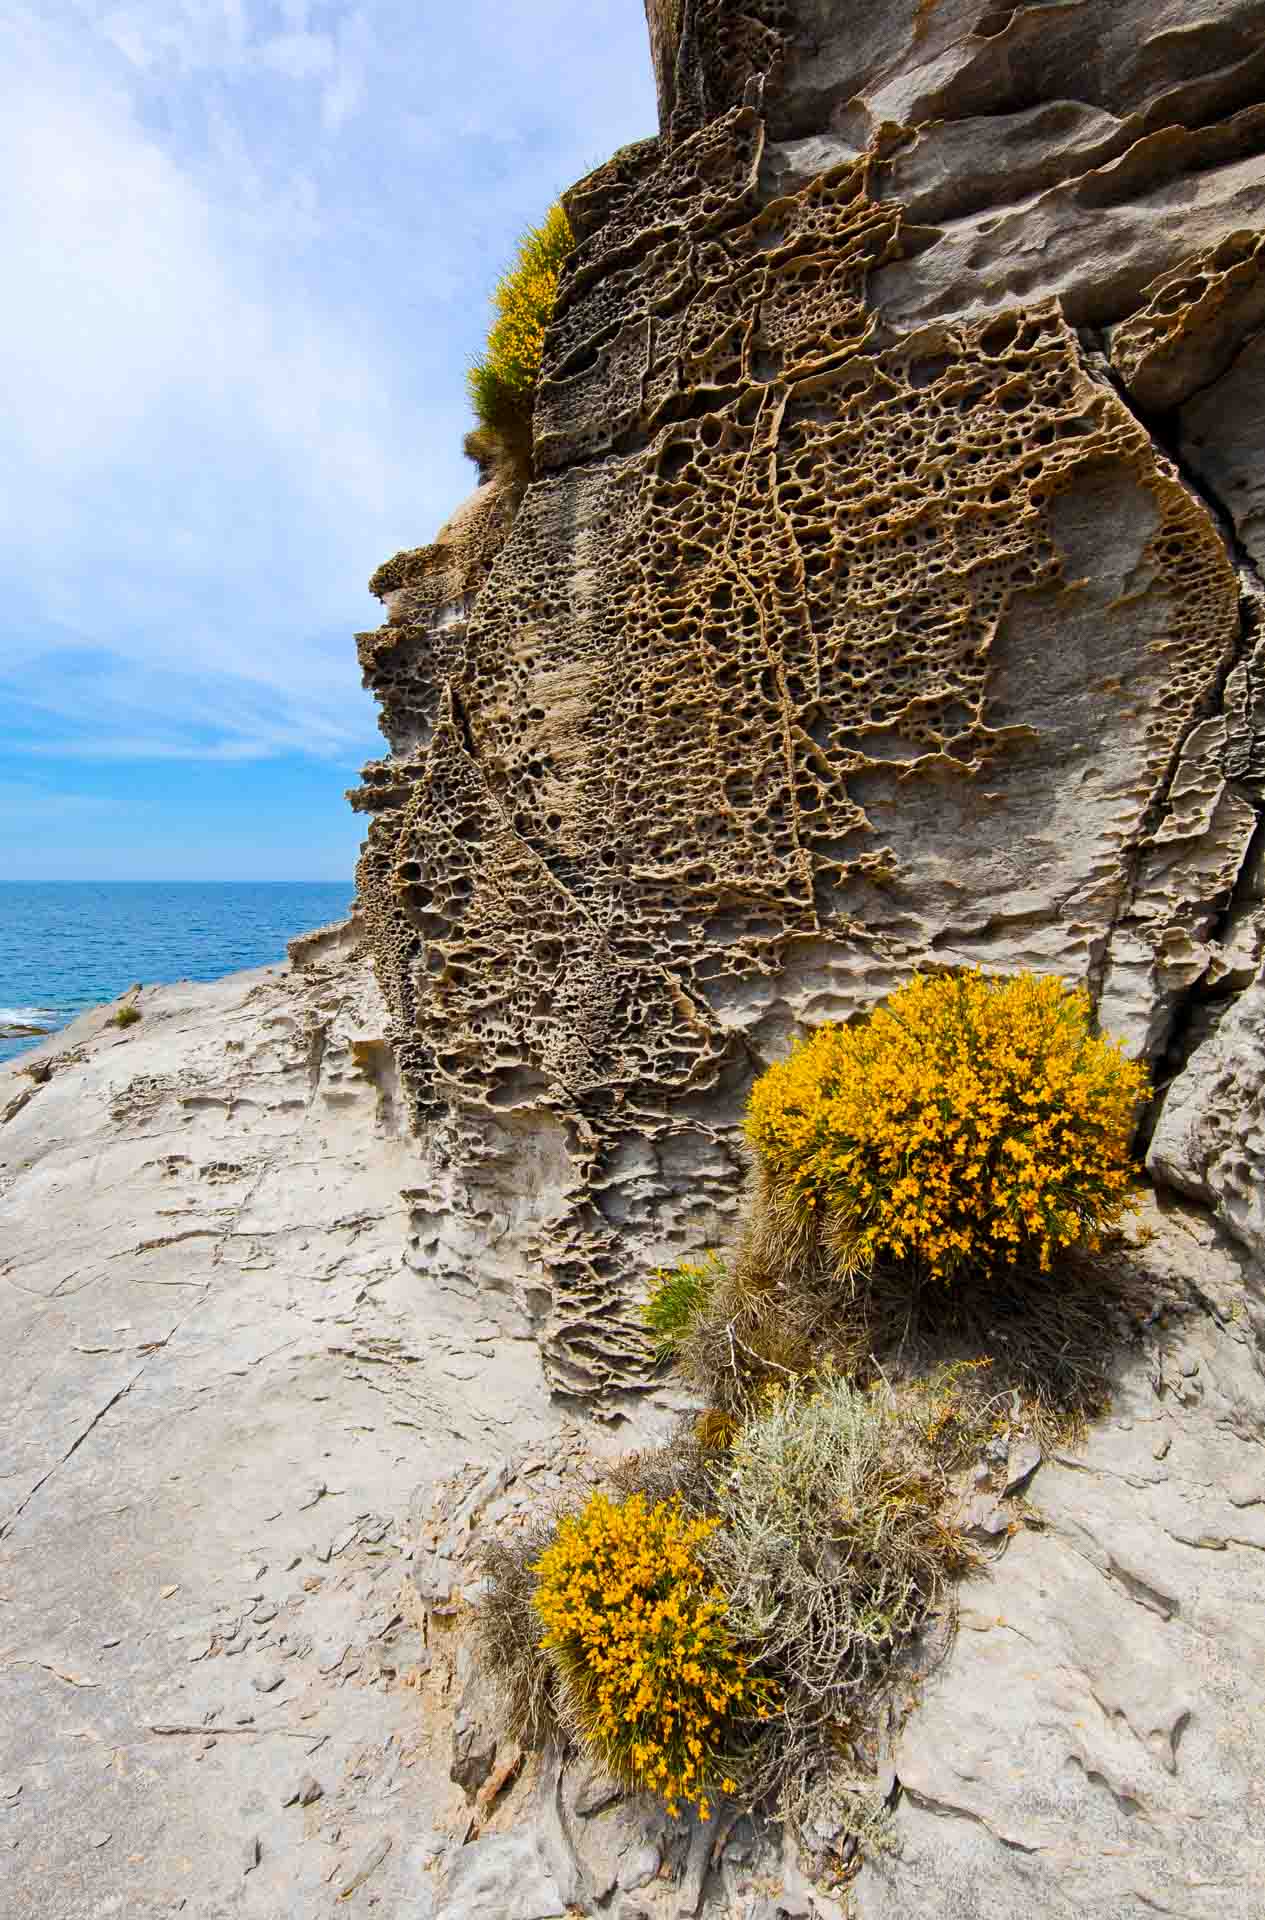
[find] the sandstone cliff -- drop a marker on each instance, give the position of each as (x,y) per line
(888,593)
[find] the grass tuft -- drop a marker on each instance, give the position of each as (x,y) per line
(783,1310)
(510,1632)
(502,383)
(835,1547)
(677,1297)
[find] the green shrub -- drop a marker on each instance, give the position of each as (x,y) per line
(127,1015)
(503,381)
(971,1121)
(676,1298)
(727,1621)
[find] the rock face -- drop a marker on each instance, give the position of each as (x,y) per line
(232,1354)
(885,597)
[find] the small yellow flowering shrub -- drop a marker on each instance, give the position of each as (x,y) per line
(970,1121)
(503,383)
(639,1632)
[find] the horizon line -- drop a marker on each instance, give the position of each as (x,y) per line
(159,880)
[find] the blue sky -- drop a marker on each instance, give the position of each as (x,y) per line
(248,246)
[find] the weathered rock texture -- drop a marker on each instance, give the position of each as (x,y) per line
(1093,1745)
(884,598)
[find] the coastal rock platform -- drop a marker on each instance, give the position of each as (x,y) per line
(257,1424)
(222,1386)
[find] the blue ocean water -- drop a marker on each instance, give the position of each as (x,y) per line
(67,945)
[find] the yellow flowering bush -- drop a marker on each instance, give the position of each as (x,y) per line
(639,1631)
(971,1120)
(503,383)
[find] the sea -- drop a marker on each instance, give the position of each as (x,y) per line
(68,945)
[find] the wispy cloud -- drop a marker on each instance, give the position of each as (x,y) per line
(233,40)
(91,704)
(191,34)
(248,246)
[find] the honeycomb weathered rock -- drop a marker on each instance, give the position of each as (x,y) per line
(856,619)
(1193,324)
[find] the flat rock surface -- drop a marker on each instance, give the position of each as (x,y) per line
(1092,1746)
(221,1387)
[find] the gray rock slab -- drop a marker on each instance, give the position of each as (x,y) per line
(1210,1140)
(506,1877)
(206,1314)
(1091,1744)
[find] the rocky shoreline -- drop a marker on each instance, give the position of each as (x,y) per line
(223,1389)
(882,593)
(256,1432)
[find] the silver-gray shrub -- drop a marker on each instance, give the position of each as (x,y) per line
(834,1549)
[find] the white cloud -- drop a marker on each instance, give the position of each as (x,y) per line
(189,34)
(101,707)
(300,55)
(235,312)
(347,90)
(229,39)
(135,312)
(179,416)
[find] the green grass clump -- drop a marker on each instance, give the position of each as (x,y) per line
(503,381)
(127,1015)
(835,1544)
(677,1296)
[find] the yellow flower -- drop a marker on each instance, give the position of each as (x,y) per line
(503,383)
(970,1119)
(638,1631)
